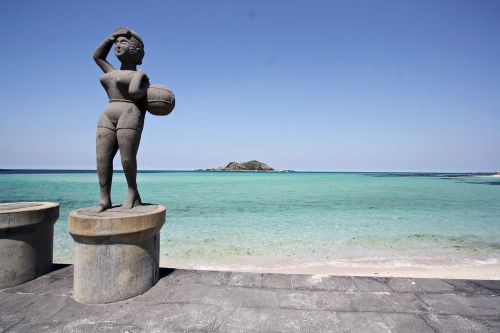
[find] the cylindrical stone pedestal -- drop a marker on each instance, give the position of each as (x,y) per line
(116,252)
(26,239)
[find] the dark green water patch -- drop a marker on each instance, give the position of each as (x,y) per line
(484,183)
(424,174)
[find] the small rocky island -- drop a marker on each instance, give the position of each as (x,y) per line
(244,166)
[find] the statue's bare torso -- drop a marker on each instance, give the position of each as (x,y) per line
(123,111)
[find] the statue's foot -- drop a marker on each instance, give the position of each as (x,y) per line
(132,200)
(100,207)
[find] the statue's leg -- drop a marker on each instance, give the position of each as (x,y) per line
(128,143)
(106,148)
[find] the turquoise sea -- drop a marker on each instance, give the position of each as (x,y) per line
(256,220)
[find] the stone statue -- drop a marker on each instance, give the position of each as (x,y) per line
(120,125)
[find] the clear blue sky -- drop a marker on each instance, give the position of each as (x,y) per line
(305,85)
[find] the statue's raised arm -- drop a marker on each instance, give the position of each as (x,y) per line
(102,51)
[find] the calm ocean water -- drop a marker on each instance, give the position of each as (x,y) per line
(245,220)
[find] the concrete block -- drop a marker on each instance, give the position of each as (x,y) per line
(26,240)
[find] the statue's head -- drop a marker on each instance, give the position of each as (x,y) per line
(130,48)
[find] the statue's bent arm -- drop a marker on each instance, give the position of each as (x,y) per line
(136,89)
(101,53)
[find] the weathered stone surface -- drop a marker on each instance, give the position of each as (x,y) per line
(45,308)
(37,326)
(467,305)
(116,252)
(250,280)
(309,282)
(160,294)
(429,285)
(208,301)
(211,278)
(26,238)
(12,303)
(406,322)
(387,302)
(371,284)
(363,322)
(456,323)
(276,281)
(254,298)
(86,222)
(493,285)
(281,320)
(45,286)
(339,283)
(315,300)
(469,287)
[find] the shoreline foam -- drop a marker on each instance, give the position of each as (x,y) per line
(489,272)
(479,266)
(477,270)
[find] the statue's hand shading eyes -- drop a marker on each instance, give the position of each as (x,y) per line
(120,32)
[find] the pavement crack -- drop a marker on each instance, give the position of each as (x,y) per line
(11,326)
(383,321)
(494,292)
(427,306)
(214,327)
(64,307)
(426,321)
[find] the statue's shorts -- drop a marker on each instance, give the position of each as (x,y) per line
(121,115)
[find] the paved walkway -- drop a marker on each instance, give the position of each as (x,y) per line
(207,301)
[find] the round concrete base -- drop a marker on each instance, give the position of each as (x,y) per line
(26,239)
(116,252)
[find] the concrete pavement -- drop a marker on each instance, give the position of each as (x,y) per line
(210,301)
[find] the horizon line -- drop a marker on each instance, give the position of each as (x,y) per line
(6,170)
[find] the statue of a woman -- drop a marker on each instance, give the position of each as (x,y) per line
(120,125)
